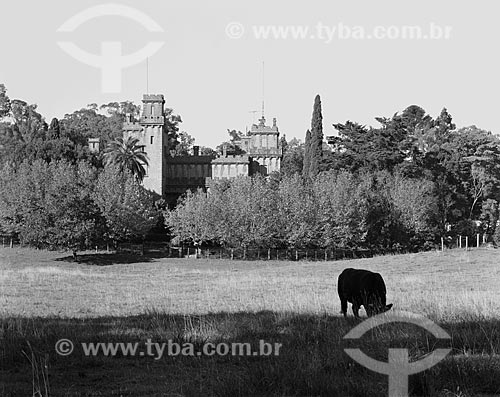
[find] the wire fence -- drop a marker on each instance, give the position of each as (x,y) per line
(166,250)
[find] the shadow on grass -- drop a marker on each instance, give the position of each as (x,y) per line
(311,358)
(113,258)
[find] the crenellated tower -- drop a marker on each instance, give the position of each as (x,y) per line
(152,134)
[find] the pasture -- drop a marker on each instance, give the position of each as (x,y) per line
(45,296)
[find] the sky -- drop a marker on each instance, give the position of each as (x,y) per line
(210,64)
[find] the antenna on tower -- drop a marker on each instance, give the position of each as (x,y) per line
(263,92)
(147,75)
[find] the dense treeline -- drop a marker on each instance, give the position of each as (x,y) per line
(56,193)
(338,209)
(404,185)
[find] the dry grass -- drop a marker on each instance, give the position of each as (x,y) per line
(44,298)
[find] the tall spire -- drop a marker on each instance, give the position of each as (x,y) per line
(262,120)
(263,92)
(147,75)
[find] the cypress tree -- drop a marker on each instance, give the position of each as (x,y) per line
(307,155)
(316,141)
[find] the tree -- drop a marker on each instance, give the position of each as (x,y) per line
(128,208)
(49,205)
(127,155)
(54,131)
(293,158)
(232,146)
(185,144)
(316,143)
(193,219)
(4,102)
(307,155)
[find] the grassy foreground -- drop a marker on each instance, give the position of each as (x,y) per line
(45,297)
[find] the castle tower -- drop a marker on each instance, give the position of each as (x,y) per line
(152,134)
(264,147)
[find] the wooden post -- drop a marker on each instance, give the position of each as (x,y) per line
(244,253)
(460,241)
(466,243)
(189,252)
(3,242)
(180,252)
(11,243)
(277,255)
(477,240)
(442,244)
(326,255)
(220,253)
(269,254)
(484,238)
(96,249)
(107,248)
(315,255)
(232,254)
(306,255)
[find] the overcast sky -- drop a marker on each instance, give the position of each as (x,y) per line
(214,81)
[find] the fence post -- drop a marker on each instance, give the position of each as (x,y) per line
(107,247)
(484,238)
(315,255)
(326,255)
(460,241)
(232,254)
(3,242)
(189,252)
(244,253)
(306,255)
(277,255)
(180,252)
(296,255)
(269,254)
(96,249)
(11,243)
(220,251)
(442,244)
(466,243)
(478,240)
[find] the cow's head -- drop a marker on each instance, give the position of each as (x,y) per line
(373,308)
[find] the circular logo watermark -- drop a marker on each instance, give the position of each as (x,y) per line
(111,61)
(398,367)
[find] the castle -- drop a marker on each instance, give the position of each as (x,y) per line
(170,176)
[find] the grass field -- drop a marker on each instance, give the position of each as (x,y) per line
(45,296)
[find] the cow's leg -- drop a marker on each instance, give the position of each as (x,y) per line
(355,309)
(343,306)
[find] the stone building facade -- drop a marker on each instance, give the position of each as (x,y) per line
(171,176)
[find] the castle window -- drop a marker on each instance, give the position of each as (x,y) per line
(152,140)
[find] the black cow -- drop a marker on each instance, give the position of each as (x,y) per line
(362,288)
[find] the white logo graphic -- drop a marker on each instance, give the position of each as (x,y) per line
(398,368)
(110,61)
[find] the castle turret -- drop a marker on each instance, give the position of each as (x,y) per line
(152,134)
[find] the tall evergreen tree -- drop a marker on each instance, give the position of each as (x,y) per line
(307,155)
(316,144)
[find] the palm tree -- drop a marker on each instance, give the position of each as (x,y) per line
(127,154)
